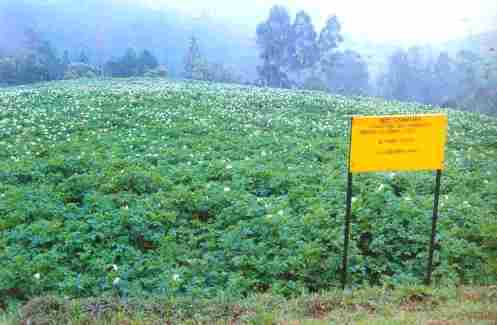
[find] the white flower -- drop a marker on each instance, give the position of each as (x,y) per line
(354,199)
(116,281)
(176,277)
(37,276)
(227,189)
(229,167)
(114,267)
(380,188)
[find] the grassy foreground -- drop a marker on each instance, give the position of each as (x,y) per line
(150,188)
(408,305)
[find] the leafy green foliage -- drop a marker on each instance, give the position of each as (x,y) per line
(147,186)
(274,38)
(305,52)
(296,48)
(79,70)
(347,74)
(83,58)
(37,62)
(132,65)
(468,81)
(193,61)
(196,67)
(330,37)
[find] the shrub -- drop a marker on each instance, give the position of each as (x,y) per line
(159,72)
(80,70)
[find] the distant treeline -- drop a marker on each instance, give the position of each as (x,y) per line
(38,61)
(466,81)
(295,55)
(292,54)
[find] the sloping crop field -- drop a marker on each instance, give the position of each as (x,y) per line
(165,188)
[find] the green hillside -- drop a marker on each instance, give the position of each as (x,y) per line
(153,187)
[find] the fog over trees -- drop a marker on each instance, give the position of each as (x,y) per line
(66,40)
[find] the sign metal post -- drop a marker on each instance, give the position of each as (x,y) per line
(346,233)
(434,227)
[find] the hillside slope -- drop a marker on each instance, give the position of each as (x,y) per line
(178,188)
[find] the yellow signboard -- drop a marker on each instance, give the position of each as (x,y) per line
(398,143)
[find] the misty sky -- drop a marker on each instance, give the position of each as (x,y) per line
(378,20)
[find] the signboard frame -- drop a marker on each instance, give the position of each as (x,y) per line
(350,172)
